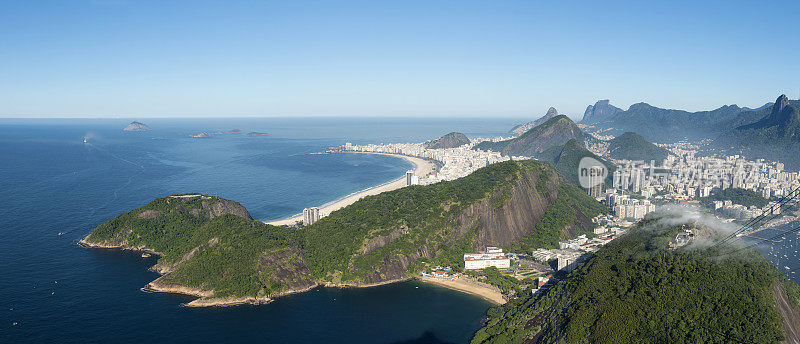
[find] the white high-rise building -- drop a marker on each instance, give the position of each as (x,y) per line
(409,178)
(310,215)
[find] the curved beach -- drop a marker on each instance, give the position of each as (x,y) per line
(422,168)
(462,285)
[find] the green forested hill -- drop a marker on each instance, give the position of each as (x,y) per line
(635,290)
(211,245)
(567,157)
(744,197)
(632,146)
(554,132)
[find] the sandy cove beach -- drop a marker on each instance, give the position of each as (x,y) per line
(461,284)
(422,168)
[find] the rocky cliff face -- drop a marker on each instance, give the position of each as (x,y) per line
(600,111)
(502,219)
(522,128)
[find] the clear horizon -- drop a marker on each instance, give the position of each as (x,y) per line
(147,59)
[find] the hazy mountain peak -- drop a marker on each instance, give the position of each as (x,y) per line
(601,110)
(522,128)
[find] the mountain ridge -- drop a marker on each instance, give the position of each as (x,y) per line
(555,131)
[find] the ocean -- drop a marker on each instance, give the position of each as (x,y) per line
(52,182)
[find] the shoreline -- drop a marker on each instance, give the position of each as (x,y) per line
(463,286)
(203,299)
(421,168)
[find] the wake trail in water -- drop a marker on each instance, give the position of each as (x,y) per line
(115,193)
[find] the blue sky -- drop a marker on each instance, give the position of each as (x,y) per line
(117,58)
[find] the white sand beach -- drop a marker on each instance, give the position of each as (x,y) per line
(422,168)
(462,285)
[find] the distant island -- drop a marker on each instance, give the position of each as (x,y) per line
(205,134)
(137,126)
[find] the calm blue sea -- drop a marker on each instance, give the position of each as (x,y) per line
(51,182)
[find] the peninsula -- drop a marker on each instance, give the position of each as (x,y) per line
(209,247)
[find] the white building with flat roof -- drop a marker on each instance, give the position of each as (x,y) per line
(493,256)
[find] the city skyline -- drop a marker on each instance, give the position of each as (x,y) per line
(126,59)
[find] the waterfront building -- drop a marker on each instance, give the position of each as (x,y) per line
(493,256)
(310,215)
(409,178)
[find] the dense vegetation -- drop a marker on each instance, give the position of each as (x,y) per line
(632,146)
(451,140)
(206,246)
(744,197)
(567,158)
(635,290)
(228,246)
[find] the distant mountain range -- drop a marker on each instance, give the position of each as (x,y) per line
(771,131)
(555,131)
(451,140)
(667,125)
(522,128)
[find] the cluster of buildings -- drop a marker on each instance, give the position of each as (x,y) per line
(739,211)
(455,162)
(571,252)
(685,176)
(625,207)
(492,256)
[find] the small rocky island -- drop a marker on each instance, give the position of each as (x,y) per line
(137,126)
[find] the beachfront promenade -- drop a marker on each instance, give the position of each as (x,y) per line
(422,168)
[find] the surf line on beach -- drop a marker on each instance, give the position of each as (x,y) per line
(421,168)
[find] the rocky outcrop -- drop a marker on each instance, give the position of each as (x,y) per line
(601,110)
(149,214)
(515,219)
(554,132)
(137,126)
(224,206)
(522,128)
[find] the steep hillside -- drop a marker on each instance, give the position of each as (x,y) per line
(772,133)
(451,140)
(566,160)
(632,146)
(600,111)
(522,128)
(635,290)
(554,132)
(223,257)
